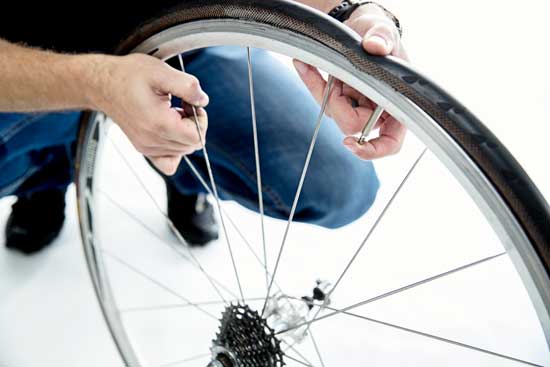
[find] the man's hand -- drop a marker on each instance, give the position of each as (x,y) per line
(135,91)
(347,106)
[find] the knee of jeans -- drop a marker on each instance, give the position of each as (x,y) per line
(339,201)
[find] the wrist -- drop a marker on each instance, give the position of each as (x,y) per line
(88,74)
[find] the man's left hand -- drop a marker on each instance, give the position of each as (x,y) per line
(350,109)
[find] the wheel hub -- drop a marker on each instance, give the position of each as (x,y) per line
(248,339)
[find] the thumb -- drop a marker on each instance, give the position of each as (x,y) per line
(167,164)
(185,86)
(380,40)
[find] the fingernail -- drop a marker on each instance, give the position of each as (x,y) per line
(380,41)
(301,67)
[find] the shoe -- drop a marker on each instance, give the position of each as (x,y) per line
(35,221)
(193,217)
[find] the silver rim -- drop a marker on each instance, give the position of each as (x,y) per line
(247,34)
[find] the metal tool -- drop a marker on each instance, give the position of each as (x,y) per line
(370,124)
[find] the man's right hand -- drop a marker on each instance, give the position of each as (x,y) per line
(135,91)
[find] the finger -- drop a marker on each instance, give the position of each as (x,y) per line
(157,142)
(381,39)
(316,84)
(202,117)
(161,151)
(312,79)
(167,164)
(183,130)
(361,99)
(182,85)
(374,149)
(388,143)
(350,119)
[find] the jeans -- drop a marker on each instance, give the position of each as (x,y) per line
(37,150)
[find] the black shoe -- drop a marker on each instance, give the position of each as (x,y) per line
(35,221)
(193,217)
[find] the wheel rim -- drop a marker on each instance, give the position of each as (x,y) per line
(191,36)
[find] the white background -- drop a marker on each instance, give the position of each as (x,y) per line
(492,56)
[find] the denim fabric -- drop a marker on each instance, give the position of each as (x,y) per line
(339,187)
(37,150)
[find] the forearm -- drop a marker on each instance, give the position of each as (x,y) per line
(36,80)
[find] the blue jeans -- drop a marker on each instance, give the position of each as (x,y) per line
(37,150)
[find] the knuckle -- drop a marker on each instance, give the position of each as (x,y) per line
(146,150)
(160,128)
(193,83)
(140,146)
(383,26)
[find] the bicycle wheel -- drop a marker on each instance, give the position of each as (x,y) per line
(269,328)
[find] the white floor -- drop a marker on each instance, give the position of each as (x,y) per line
(493,60)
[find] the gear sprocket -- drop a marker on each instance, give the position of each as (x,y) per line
(245,340)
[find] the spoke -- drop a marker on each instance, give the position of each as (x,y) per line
(438,338)
(316,347)
(195,261)
(257,159)
(154,281)
(239,232)
(166,307)
(215,190)
(292,348)
(301,183)
(370,232)
(374,226)
(396,291)
(198,175)
(190,359)
(182,305)
(217,198)
(233,224)
(137,177)
(247,243)
(298,361)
